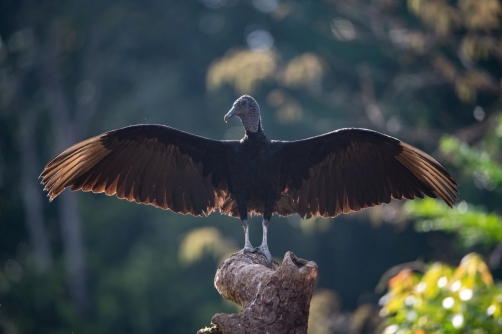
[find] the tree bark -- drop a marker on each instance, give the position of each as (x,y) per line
(273,301)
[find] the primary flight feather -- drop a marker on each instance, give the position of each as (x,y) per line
(337,172)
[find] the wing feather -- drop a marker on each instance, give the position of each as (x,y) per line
(352,169)
(149,164)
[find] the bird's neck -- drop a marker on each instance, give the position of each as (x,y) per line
(257,136)
(252,122)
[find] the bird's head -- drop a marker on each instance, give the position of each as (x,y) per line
(248,110)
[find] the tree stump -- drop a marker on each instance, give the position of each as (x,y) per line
(273,301)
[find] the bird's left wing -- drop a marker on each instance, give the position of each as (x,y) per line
(352,169)
(149,164)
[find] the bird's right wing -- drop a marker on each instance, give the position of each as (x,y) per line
(352,169)
(149,164)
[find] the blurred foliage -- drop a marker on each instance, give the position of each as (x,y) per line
(472,222)
(204,241)
(243,69)
(444,299)
(461,300)
(70,70)
(323,305)
(473,225)
(326,315)
(475,23)
(480,162)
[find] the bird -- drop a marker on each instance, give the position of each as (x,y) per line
(345,170)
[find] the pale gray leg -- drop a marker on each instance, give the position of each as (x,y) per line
(247,244)
(264,246)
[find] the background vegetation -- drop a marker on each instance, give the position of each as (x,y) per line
(425,71)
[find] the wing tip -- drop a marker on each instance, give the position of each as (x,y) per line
(68,165)
(430,172)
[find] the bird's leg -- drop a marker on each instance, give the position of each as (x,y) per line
(243,214)
(264,246)
(248,248)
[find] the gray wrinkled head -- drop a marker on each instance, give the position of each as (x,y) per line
(248,110)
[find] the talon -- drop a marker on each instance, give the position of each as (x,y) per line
(249,249)
(268,257)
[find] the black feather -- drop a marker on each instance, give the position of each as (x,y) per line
(338,172)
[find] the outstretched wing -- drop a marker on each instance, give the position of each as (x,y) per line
(149,164)
(352,169)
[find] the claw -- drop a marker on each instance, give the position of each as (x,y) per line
(249,249)
(268,257)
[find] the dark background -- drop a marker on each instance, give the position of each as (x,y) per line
(70,70)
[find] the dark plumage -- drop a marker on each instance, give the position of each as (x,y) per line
(338,172)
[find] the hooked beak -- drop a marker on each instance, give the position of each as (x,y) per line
(230,114)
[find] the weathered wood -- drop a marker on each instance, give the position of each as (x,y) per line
(273,301)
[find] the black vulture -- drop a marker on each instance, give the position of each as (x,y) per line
(337,172)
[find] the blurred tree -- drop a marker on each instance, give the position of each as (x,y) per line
(69,70)
(471,221)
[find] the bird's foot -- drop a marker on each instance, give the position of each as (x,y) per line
(268,257)
(248,249)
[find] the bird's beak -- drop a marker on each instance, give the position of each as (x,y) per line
(230,114)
